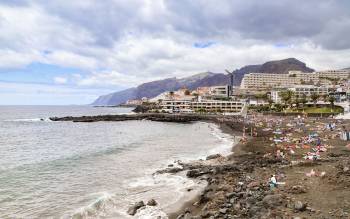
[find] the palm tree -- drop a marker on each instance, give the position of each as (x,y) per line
(331,100)
(314,97)
(303,99)
(171,94)
(270,101)
(261,97)
(297,101)
(287,96)
(325,97)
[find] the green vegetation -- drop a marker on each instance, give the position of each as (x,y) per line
(331,100)
(287,97)
(325,109)
(304,109)
(314,97)
(201,111)
(222,98)
(332,80)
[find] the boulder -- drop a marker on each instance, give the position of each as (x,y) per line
(253,184)
(170,170)
(237,206)
(152,202)
(297,189)
(223,210)
(206,214)
(273,200)
(299,206)
(213,156)
(230,195)
(195,173)
(133,209)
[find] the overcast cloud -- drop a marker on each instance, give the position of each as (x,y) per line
(121,43)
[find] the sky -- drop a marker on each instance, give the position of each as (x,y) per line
(70,52)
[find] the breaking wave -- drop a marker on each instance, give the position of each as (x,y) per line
(96,209)
(30,120)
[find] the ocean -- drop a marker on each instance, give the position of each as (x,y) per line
(95,170)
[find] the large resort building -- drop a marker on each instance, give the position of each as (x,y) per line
(265,81)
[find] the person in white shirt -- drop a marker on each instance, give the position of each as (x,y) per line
(273,182)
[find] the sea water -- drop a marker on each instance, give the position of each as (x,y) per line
(95,170)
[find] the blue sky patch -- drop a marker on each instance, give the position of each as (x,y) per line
(37,73)
(202,45)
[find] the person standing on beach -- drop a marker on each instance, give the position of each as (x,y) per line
(273,182)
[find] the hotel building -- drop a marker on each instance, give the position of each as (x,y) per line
(301,90)
(187,106)
(263,81)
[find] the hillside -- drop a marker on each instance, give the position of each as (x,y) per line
(279,66)
(154,88)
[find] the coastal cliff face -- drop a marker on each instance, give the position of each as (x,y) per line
(154,88)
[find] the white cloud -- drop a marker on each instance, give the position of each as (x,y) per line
(37,94)
(60,80)
(108,78)
(124,43)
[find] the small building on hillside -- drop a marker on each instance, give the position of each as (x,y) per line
(220,91)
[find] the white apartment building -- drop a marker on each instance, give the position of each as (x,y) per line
(220,91)
(301,90)
(214,106)
(187,106)
(176,106)
(261,81)
(308,90)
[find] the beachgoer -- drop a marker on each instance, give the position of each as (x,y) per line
(273,182)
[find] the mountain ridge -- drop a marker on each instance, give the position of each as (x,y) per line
(154,88)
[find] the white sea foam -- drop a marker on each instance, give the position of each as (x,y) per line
(150,212)
(30,120)
(177,183)
(97,208)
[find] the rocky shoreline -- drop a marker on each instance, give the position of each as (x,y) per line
(237,185)
(183,118)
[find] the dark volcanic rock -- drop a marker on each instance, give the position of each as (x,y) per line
(213,156)
(273,200)
(297,189)
(133,209)
(194,173)
(152,202)
(170,170)
(148,116)
(141,109)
